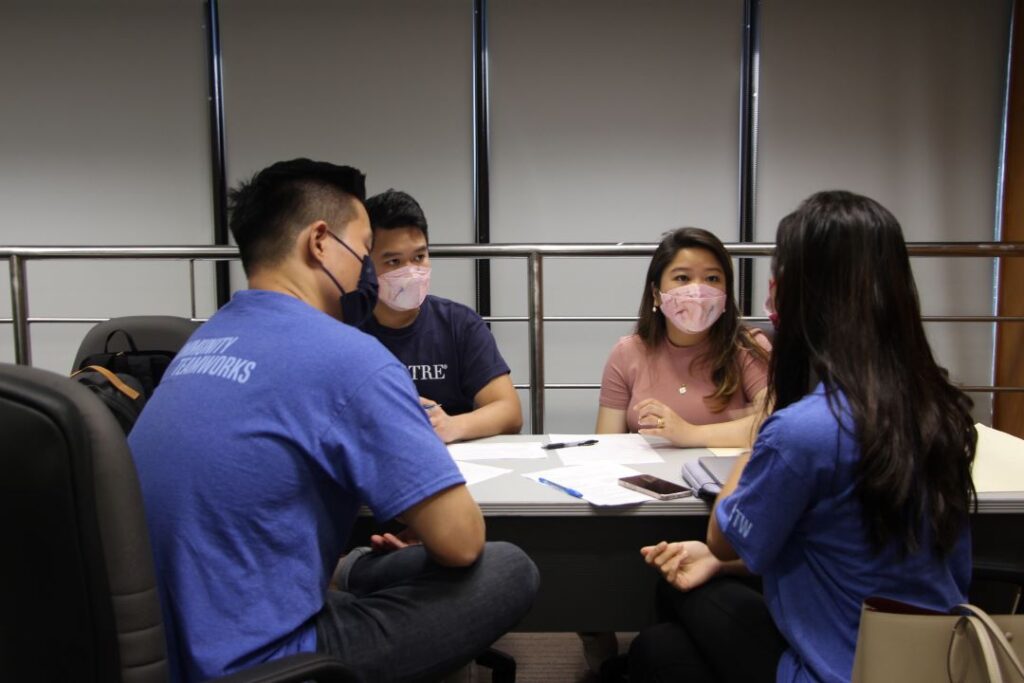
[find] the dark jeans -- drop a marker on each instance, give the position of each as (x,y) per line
(720,632)
(403,617)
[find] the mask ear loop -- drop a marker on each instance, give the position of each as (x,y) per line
(333,279)
(351,251)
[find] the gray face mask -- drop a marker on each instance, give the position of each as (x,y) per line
(357,305)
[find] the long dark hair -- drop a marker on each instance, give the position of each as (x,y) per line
(849,316)
(727,336)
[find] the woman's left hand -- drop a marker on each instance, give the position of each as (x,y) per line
(657,419)
(685,565)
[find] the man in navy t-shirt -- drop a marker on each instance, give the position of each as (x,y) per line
(462,380)
(271,428)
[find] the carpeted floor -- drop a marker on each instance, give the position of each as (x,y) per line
(543,658)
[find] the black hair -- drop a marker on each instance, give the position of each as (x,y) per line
(728,337)
(849,317)
(396,209)
(270,209)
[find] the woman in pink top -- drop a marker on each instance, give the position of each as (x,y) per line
(692,373)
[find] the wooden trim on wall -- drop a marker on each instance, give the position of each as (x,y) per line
(1008,408)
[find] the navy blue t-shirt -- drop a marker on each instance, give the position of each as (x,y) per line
(274,423)
(795,519)
(448,350)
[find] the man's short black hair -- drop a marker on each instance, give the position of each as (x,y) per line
(395,209)
(270,209)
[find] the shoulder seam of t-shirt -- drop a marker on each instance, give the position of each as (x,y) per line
(770,443)
(338,407)
(492,373)
(749,360)
(615,360)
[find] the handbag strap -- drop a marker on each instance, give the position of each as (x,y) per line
(131,342)
(988,651)
(995,632)
(113,379)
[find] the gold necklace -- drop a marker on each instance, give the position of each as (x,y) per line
(682,387)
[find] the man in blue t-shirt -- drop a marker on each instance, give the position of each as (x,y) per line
(271,428)
(462,380)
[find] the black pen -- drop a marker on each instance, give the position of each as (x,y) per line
(568,444)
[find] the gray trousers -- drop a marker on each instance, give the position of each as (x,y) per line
(400,616)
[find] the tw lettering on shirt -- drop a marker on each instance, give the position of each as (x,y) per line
(426,372)
(740,522)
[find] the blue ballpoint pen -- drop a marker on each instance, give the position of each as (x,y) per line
(564,489)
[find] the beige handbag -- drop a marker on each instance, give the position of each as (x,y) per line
(906,644)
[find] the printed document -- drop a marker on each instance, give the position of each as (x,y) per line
(624,449)
(474,473)
(596,483)
(516,450)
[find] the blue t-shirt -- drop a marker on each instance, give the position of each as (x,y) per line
(274,423)
(795,519)
(450,353)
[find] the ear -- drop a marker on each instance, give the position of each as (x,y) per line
(316,238)
(657,295)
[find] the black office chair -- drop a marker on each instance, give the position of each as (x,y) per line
(79,597)
(149,332)
(997,586)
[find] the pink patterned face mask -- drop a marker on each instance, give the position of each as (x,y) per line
(693,308)
(769,305)
(405,288)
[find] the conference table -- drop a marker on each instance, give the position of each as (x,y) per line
(592,575)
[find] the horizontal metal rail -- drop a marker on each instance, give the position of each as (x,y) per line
(970,389)
(17,258)
(589,318)
(518,250)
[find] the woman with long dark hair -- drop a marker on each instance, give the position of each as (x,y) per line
(859,483)
(692,372)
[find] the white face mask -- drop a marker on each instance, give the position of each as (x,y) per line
(405,288)
(693,308)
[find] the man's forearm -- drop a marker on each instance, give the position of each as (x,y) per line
(500,417)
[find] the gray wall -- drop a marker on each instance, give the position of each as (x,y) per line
(900,101)
(103,140)
(611,122)
(609,125)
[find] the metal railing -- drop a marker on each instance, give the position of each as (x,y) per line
(17,257)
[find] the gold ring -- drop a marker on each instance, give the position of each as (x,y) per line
(661,423)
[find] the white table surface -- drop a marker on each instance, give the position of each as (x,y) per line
(512,494)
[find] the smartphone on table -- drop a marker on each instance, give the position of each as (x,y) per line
(655,487)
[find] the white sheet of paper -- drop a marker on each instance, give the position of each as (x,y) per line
(598,483)
(624,449)
(998,462)
(474,473)
(497,451)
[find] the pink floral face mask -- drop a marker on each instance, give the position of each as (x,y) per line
(404,289)
(693,308)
